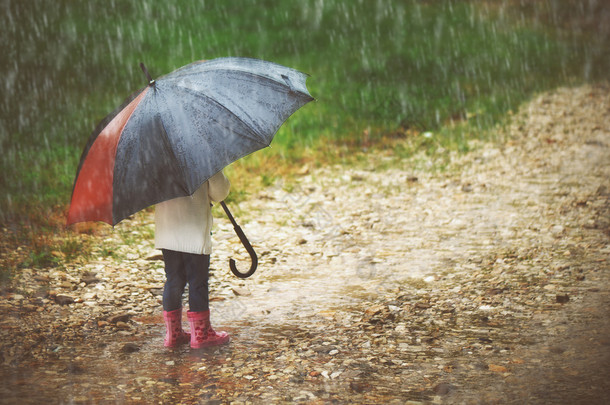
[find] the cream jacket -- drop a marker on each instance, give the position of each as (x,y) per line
(184,224)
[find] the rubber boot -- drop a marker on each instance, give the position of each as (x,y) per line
(202,333)
(174,334)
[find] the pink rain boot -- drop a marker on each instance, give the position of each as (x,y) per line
(174,334)
(202,334)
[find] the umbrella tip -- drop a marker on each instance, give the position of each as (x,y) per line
(151,81)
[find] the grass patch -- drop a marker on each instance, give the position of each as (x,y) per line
(381,71)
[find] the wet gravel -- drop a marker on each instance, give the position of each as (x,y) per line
(388,282)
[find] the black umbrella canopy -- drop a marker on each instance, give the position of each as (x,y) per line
(179,131)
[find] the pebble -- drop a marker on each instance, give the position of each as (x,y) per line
(130,348)
(562,299)
(64,299)
(119,318)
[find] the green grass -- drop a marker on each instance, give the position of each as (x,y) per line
(379,70)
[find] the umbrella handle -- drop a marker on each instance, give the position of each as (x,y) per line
(244,240)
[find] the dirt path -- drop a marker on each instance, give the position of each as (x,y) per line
(486,283)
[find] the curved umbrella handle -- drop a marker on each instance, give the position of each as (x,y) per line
(244,240)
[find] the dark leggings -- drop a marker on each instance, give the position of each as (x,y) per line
(181,268)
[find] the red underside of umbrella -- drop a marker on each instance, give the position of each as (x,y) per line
(92,197)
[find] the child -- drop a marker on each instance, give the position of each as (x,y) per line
(183,233)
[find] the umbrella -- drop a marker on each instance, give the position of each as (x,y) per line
(170,137)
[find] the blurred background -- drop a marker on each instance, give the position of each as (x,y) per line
(380,71)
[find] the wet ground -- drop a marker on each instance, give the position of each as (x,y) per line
(385,283)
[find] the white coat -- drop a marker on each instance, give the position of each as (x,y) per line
(184,224)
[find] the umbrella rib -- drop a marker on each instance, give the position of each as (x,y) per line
(168,146)
(198,94)
(257,75)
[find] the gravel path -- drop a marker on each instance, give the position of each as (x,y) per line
(486,282)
